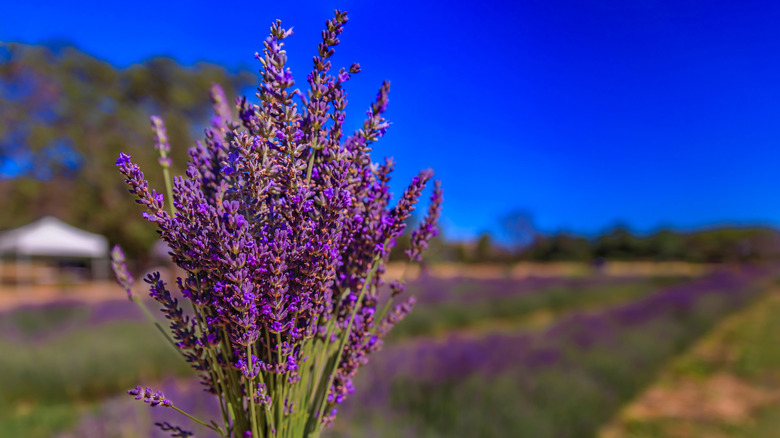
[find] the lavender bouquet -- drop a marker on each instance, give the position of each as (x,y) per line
(283,226)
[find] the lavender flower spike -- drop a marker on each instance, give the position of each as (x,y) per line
(282,226)
(154,398)
(176,431)
(427,228)
(161,136)
(221,108)
(119,266)
(161,141)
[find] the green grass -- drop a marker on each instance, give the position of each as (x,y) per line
(748,346)
(36,321)
(38,421)
(45,387)
(86,364)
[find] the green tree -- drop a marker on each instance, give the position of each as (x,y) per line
(64,118)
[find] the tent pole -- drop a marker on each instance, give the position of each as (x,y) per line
(99,268)
(19,270)
(28,270)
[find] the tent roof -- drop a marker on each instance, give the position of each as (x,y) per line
(51,237)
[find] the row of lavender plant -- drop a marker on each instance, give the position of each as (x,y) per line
(283,225)
(461,356)
(46,322)
(434,290)
(565,381)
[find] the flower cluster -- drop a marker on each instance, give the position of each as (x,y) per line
(176,431)
(427,229)
(154,398)
(283,226)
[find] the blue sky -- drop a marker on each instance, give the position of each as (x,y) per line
(646,112)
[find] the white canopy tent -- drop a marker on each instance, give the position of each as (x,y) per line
(49,237)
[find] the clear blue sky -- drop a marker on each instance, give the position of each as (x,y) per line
(584,113)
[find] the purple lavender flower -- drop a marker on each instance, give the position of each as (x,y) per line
(427,229)
(283,226)
(123,159)
(119,266)
(397,288)
(161,141)
(221,107)
(153,398)
(176,431)
(161,137)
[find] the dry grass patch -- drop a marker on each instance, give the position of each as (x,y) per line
(722,397)
(728,385)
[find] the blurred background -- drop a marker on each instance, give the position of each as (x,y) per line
(609,250)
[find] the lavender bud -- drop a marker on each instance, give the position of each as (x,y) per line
(397,288)
(160,137)
(427,228)
(221,108)
(153,398)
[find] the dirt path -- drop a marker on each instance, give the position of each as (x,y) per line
(13,297)
(716,389)
(19,296)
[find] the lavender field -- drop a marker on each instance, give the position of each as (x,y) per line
(381,219)
(536,357)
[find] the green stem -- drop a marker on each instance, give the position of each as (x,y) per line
(344,337)
(234,407)
(250,392)
(311,159)
(309,167)
(320,363)
(268,414)
(279,383)
(168,186)
(389,301)
(149,315)
(215,372)
(167,178)
(302,389)
(217,429)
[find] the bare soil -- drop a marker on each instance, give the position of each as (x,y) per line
(12,296)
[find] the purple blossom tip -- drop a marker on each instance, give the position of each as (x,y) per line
(397,288)
(427,228)
(123,159)
(153,398)
(161,136)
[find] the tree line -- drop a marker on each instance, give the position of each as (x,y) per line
(718,245)
(64,118)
